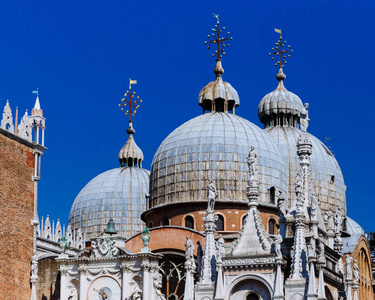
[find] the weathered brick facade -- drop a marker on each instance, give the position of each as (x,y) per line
(48,287)
(16,213)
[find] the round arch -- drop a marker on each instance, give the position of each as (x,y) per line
(242,285)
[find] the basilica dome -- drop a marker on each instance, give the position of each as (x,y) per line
(279,111)
(214,146)
(119,194)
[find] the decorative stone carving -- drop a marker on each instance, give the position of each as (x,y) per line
(348,267)
(252,163)
(7,121)
(73,295)
(158,283)
(146,236)
(34,266)
(304,119)
(277,244)
(220,249)
(136,293)
(211,195)
(189,254)
(312,248)
(355,272)
(25,127)
(281,205)
(103,248)
(338,220)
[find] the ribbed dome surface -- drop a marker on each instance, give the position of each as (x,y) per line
(213,146)
(118,193)
(328,178)
(219,89)
(279,103)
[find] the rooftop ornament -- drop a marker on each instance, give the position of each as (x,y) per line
(281,51)
(216,40)
(129,101)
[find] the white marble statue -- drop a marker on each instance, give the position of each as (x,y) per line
(34,265)
(277,244)
(189,254)
(338,220)
(304,119)
(220,249)
(252,163)
(355,272)
(348,267)
(211,195)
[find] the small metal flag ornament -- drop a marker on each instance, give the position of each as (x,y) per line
(36,92)
(219,42)
(280,51)
(129,101)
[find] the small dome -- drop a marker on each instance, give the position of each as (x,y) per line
(214,147)
(356,231)
(218,95)
(119,194)
(280,107)
(130,155)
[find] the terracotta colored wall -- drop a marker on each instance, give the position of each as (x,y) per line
(16,234)
(166,238)
(232,215)
(48,287)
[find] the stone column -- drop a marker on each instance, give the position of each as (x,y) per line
(63,287)
(147,283)
(311,290)
(355,288)
(219,294)
(125,281)
(349,284)
(82,283)
(321,288)
(189,282)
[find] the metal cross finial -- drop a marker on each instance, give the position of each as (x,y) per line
(36,92)
(128,101)
(214,38)
(279,51)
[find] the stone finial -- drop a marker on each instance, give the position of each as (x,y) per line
(25,127)
(130,155)
(7,121)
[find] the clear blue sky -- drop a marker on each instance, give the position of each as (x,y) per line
(81,54)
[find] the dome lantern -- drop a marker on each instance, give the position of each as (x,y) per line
(130,155)
(218,96)
(280,107)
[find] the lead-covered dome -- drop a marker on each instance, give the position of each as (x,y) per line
(214,147)
(325,170)
(280,111)
(280,106)
(119,194)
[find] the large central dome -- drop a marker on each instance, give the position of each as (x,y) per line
(214,147)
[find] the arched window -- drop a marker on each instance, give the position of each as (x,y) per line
(272,195)
(220,223)
(271,226)
(150,224)
(252,296)
(166,222)
(189,222)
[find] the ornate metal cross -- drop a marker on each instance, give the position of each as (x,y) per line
(214,38)
(280,51)
(128,101)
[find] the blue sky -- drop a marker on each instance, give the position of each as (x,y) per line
(81,54)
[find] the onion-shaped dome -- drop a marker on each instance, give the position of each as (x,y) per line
(280,106)
(130,155)
(218,95)
(119,194)
(214,147)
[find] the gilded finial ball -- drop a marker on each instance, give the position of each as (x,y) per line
(137,97)
(141,101)
(213,55)
(223,28)
(231,38)
(205,42)
(119,105)
(122,109)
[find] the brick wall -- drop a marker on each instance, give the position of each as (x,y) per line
(16,233)
(48,287)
